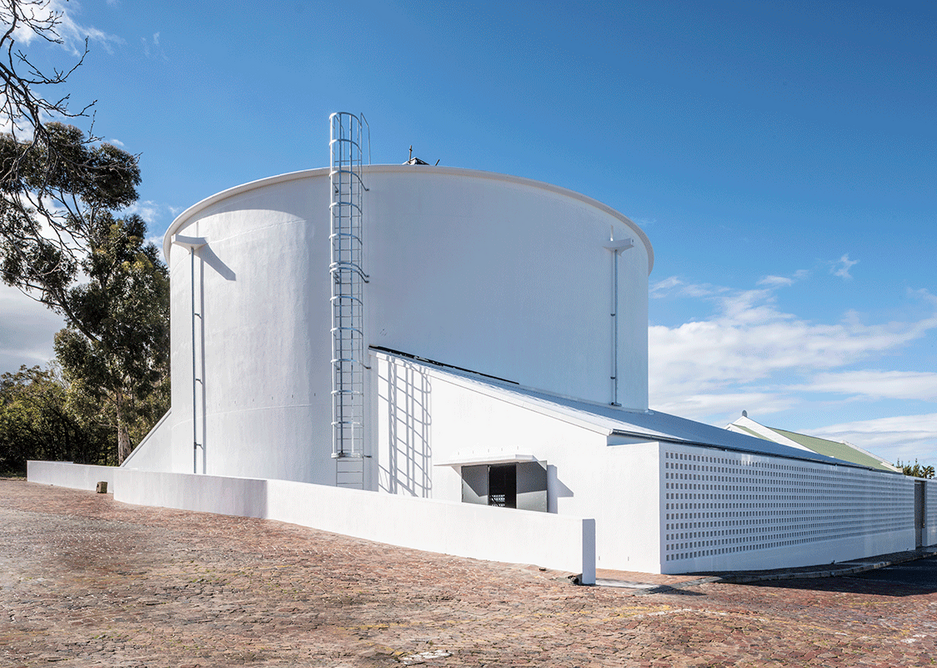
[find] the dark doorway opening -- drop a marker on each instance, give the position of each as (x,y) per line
(521,485)
(502,486)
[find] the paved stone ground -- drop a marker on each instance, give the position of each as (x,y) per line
(87,581)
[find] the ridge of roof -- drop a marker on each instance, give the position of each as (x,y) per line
(836,449)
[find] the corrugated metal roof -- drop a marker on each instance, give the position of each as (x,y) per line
(612,420)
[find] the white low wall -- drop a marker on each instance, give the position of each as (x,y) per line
(481,532)
(66,474)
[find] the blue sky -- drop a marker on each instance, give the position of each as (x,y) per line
(781,157)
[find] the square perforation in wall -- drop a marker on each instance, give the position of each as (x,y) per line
(718,503)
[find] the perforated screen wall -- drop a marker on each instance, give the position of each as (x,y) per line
(721,510)
(930,513)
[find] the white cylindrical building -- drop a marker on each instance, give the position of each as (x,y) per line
(497,275)
(504,363)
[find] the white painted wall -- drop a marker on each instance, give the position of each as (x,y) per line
(480,532)
(627,509)
(428,416)
(492,273)
(723,510)
(930,512)
(66,474)
(659,507)
(627,512)
(154,452)
(262,342)
(505,277)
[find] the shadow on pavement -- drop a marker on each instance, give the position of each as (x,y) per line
(911,578)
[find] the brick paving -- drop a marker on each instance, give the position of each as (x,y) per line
(87,581)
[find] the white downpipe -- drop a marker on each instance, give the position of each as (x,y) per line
(616,247)
(193,244)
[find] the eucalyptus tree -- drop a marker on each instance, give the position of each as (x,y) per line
(62,243)
(117,361)
(29,96)
(55,180)
(52,204)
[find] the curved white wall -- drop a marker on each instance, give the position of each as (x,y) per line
(496,274)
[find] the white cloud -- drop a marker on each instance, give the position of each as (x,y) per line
(674,286)
(776,281)
(71,33)
(725,403)
(904,437)
(662,288)
(147,209)
(152,48)
(842,266)
(27,329)
(784,281)
(751,350)
(915,385)
(157,215)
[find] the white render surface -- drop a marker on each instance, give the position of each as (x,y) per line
(659,506)
(480,532)
(154,452)
(490,335)
(431,415)
(67,474)
(930,513)
(487,272)
(739,511)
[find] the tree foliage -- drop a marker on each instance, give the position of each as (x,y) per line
(55,181)
(916,470)
(62,244)
(53,205)
(36,424)
(119,359)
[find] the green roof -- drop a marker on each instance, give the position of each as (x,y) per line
(835,449)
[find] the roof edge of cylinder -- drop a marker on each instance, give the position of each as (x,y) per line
(183,217)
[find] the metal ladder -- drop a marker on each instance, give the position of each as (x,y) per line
(347,299)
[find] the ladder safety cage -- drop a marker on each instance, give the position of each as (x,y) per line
(346,268)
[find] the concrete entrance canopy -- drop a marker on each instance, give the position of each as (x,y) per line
(469,460)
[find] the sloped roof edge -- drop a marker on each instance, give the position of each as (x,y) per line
(612,420)
(837,449)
